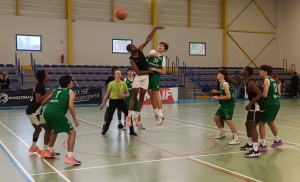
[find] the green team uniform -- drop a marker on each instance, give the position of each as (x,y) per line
(226,109)
(127,99)
(272,102)
(56,110)
(154,79)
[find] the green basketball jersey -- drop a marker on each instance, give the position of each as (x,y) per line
(59,103)
(223,93)
(155,62)
(129,85)
(272,96)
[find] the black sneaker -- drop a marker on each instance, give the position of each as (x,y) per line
(252,154)
(132,133)
(120,126)
(246,147)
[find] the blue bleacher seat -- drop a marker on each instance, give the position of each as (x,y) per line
(74,73)
(100,86)
(48,87)
(162,79)
(78,66)
(54,66)
(56,87)
(180,85)
(83,87)
(62,66)
(101,66)
(50,73)
(46,65)
(128,66)
(95,79)
(1,65)
(106,73)
(9,65)
(86,66)
(168,73)
(16,87)
(82,73)
(58,73)
(87,80)
(92,86)
(71,66)
(94,66)
(174,85)
(162,86)
(103,79)
(90,73)
(194,79)
(98,73)
(79,79)
(12,73)
(168,85)
(66,73)
(75,87)
(14,80)
(108,66)
(115,66)
(168,79)
(53,80)
(122,66)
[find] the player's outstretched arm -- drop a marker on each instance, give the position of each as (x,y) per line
(150,37)
(105,98)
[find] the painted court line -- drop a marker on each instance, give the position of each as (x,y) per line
(64,177)
(16,163)
(292,143)
(210,166)
(225,169)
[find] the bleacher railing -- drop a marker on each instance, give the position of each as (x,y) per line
(173,69)
(293,68)
(16,59)
(167,62)
(19,67)
(31,59)
(23,85)
(284,61)
(177,66)
(34,66)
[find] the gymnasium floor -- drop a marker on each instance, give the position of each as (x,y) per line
(181,150)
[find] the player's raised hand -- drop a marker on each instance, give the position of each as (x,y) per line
(160,27)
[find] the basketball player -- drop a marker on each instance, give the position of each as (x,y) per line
(226,109)
(115,92)
(255,108)
(272,102)
(109,79)
(62,100)
(141,80)
(222,120)
(34,111)
(129,81)
(157,64)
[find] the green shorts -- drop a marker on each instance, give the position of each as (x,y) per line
(225,111)
(154,81)
(58,123)
(127,101)
(270,113)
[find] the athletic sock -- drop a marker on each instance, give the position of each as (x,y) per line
(156,111)
(45,148)
(221,130)
(137,114)
(50,149)
(236,136)
(255,146)
(263,142)
(70,154)
(250,141)
(159,111)
(129,113)
(277,138)
(33,145)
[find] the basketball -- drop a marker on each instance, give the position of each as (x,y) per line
(121,13)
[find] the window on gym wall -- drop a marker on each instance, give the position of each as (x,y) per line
(28,42)
(119,46)
(197,49)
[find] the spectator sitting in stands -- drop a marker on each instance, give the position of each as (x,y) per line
(4,81)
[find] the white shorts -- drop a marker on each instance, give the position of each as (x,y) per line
(107,103)
(141,81)
(36,119)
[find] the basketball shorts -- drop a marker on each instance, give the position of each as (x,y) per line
(255,116)
(127,101)
(141,81)
(270,113)
(37,117)
(226,111)
(154,82)
(58,123)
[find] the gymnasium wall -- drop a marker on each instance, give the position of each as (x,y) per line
(289,28)
(250,35)
(93,30)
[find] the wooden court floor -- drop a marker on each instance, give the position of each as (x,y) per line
(180,150)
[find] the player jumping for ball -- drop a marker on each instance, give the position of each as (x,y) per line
(157,64)
(141,81)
